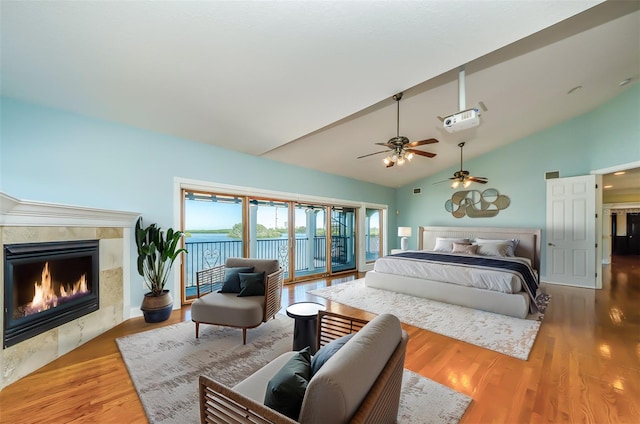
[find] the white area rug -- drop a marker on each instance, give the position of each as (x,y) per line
(500,333)
(165,364)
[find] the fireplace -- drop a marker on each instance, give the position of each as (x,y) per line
(47,285)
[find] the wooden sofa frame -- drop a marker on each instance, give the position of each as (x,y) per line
(221,404)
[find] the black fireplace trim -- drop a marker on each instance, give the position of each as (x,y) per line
(46,320)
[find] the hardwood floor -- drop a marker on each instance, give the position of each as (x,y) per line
(584,366)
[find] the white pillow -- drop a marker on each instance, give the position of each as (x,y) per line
(469,249)
(493,249)
(445,244)
(512,243)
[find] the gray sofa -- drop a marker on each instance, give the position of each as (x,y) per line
(228,309)
(360,383)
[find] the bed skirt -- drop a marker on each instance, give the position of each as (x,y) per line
(515,305)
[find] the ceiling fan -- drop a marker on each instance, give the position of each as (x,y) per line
(402,149)
(462,176)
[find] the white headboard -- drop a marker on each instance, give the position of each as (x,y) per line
(528,247)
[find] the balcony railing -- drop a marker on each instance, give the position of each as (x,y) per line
(206,254)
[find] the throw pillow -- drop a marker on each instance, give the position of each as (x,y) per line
(231,283)
(493,249)
(251,284)
(512,243)
(445,244)
(469,249)
(327,351)
(285,391)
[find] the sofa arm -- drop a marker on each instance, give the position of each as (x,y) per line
(220,404)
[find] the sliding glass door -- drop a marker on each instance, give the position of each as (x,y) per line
(343,239)
(310,248)
(309,240)
(372,234)
(268,234)
(214,231)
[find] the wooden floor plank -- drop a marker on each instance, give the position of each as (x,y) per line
(584,365)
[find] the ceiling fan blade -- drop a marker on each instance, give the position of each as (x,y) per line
(371,154)
(445,181)
(480,180)
(390,164)
(390,146)
(422,142)
(421,153)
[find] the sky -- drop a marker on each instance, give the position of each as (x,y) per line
(201,215)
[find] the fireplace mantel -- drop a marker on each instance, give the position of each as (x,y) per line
(25,213)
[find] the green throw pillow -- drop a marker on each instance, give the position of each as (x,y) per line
(285,390)
(231,283)
(327,351)
(251,284)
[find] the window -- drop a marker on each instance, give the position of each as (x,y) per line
(373,224)
(309,239)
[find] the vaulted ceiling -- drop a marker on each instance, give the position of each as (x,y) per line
(310,82)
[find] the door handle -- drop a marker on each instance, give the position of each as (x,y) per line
(550,244)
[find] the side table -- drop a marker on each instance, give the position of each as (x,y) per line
(305,315)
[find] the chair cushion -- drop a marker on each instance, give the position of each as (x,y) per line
(285,390)
(255,386)
(231,283)
(251,284)
(228,309)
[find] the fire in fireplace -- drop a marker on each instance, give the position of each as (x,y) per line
(47,285)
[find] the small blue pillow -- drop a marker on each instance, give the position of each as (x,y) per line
(251,284)
(231,283)
(327,351)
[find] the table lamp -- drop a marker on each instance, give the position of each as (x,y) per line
(404,232)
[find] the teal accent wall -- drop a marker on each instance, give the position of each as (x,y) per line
(605,137)
(48,155)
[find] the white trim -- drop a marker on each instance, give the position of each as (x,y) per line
(26,213)
(618,205)
(617,168)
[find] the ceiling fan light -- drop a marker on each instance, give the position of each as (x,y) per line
(394,158)
(400,160)
(455,184)
(387,160)
(410,156)
(467,183)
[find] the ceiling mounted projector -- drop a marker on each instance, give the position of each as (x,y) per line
(462,120)
(466,118)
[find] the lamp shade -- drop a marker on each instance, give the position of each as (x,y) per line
(404,231)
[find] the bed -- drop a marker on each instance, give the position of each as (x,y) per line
(515,296)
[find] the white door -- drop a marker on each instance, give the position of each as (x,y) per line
(571,231)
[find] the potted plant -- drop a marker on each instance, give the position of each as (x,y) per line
(157,250)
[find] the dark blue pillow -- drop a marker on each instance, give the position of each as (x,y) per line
(285,391)
(231,283)
(327,351)
(251,284)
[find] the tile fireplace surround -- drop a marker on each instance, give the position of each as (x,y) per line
(29,222)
